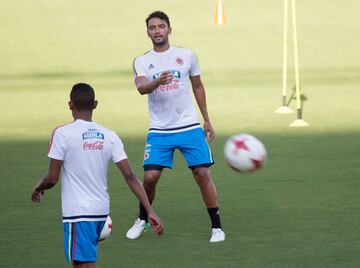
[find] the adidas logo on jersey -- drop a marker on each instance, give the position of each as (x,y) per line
(151,66)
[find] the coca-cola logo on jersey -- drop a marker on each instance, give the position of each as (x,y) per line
(92,146)
(171,86)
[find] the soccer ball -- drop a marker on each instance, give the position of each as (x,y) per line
(244,153)
(106,231)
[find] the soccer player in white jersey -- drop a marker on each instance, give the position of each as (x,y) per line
(166,74)
(81,151)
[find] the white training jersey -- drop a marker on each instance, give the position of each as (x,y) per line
(171,106)
(86,148)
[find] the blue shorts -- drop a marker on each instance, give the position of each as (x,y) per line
(160,147)
(81,240)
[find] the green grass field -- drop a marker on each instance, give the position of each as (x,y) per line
(301,210)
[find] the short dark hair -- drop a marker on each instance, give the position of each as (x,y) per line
(82,96)
(158,14)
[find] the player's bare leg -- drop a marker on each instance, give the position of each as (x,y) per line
(202,177)
(151,178)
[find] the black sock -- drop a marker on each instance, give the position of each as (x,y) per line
(215,217)
(143,214)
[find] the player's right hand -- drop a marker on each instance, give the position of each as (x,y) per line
(156,224)
(165,77)
(209,130)
(36,195)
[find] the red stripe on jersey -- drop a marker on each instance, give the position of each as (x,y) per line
(53,133)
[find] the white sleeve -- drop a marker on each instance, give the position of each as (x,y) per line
(57,147)
(194,67)
(138,68)
(118,152)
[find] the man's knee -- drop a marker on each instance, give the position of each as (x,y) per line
(151,178)
(202,174)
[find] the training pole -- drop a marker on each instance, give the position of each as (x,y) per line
(299,122)
(284,108)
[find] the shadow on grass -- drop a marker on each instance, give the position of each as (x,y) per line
(301,210)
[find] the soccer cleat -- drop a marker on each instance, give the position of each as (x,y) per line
(217,235)
(136,230)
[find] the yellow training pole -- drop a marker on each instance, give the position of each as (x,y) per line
(285,52)
(299,122)
(283,109)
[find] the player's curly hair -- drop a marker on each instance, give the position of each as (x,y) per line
(158,14)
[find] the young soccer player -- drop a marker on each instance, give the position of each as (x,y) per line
(81,151)
(167,74)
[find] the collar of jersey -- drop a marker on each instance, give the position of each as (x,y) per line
(164,52)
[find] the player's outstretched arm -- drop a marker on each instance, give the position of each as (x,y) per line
(199,93)
(48,181)
(137,188)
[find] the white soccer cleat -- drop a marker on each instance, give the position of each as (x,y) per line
(217,235)
(136,230)
(106,231)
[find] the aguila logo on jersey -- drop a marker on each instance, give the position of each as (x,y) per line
(92,135)
(179,61)
(175,74)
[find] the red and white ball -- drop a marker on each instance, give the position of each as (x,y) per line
(106,231)
(245,153)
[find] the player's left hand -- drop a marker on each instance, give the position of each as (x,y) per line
(36,195)
(209,131)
